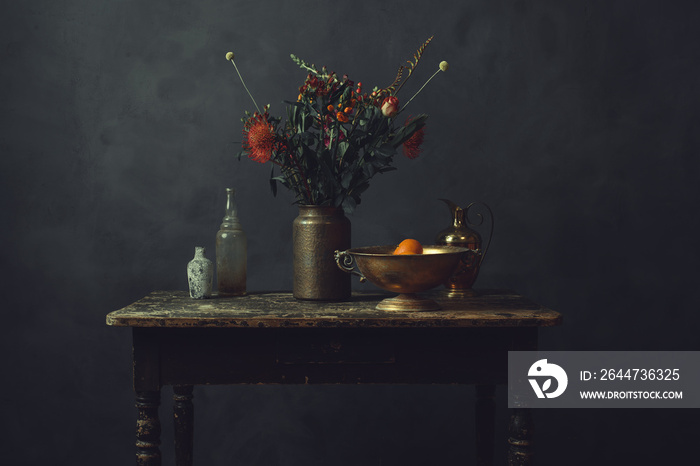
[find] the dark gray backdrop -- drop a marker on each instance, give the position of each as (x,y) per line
(576,121)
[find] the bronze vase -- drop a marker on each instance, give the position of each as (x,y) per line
(461,234)
(317,233)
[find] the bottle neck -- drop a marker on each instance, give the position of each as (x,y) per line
(230,220)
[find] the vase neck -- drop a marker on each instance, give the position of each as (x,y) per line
(199,252)
(320,211)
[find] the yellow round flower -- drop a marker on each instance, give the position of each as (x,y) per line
(444,66)
(229,56)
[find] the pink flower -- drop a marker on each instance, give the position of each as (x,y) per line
(327,138)
(390,106)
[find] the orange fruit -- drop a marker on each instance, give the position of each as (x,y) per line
(409,246)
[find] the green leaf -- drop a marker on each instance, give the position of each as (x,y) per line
(342,149)
(386,169)
(349,205)
(386,150)
(347,178)
(273,182)
(307,138)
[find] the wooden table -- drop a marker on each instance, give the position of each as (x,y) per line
(272,338)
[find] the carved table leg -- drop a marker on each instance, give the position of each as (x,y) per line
(148,429)
(183,417)
(485,424)
(520,433)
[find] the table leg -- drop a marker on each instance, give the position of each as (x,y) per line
(520,438)
(148,428)
(183,417)
(485,424)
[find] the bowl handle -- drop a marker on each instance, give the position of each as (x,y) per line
(346,263)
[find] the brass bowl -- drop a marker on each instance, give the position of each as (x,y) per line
(404,274)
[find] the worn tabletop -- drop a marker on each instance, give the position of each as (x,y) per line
(491,308)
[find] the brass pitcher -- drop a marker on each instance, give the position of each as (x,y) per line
(460,234)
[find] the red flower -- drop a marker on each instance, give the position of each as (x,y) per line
(411,147)
(259,138)
(390,106)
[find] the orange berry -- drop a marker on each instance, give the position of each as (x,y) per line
(408,246)
(330,108)
(343,118)
(348,110)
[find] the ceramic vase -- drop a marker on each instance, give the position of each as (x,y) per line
(200,274)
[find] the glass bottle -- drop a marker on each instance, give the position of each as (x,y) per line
(231,251)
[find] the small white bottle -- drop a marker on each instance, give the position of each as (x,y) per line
(200,274)
(231,251)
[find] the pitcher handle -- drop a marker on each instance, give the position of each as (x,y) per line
(346,263)
(481,221)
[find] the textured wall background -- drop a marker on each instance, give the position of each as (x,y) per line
(576,121)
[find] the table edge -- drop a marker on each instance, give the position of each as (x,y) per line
(544,318)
